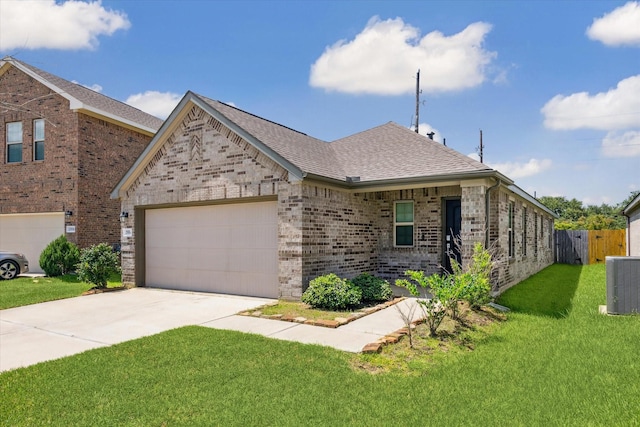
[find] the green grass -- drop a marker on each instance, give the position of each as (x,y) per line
(27,290)
(555,362)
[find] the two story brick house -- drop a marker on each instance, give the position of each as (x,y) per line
(64,147)
(224,201)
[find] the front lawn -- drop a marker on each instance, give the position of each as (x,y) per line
(555,361)
(32,290)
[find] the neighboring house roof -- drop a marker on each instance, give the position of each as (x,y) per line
(632,206)
(82,98)
(385,155)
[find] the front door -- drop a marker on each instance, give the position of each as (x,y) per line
(452,226)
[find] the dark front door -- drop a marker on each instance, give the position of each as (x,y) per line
(452,223)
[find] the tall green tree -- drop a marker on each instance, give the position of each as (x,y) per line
(573,215)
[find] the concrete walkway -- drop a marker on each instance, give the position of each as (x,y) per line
(47,331)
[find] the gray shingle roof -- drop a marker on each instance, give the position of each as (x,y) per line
(392,151)
(82,97)
(386,152)
(309,154)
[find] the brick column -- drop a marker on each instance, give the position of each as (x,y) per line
(290,204)
(473,218)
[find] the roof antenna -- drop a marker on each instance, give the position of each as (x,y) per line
(417,100)
(481,148)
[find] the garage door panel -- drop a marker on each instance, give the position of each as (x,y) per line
(219,248)
(30,234)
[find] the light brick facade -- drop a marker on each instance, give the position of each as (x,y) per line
(322,228)
(84,157)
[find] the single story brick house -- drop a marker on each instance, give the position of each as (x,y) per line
(224,201)
(64,147)
(632,212)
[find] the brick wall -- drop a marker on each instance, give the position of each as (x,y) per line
(106,151)
(350,233)
(513,270)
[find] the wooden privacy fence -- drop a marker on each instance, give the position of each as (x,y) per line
(589,246)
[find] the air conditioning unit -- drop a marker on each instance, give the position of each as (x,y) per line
(623,284)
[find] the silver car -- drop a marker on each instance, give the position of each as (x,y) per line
(12,264)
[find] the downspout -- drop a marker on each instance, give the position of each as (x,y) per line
(628,233)
(486,211)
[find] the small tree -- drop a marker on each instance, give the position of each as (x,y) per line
(406,313)
(96,264)
(59,257)
(435,307)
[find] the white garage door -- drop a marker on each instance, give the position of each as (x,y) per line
(30,234)
(221,248)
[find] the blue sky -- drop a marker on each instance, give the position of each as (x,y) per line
(553,85)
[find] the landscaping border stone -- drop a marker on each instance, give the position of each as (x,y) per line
(335,323)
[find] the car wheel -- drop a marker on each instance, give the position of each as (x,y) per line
(8,270)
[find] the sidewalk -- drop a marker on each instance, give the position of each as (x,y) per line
(352,337)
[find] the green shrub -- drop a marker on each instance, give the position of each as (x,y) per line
(59,257)
(97,263)
(332,293)
(373,288)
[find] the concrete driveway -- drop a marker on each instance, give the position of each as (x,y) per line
(51,330)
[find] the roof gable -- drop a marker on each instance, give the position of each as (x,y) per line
(87,100)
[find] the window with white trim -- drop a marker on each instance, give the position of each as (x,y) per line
(38,139)
(14,142)
(403,223)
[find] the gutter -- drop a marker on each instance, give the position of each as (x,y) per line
(353,183)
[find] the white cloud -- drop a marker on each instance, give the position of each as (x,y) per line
(626,144)
(619,27)
(159,104)
(384,57)
(618,108)
(38,24)
(94,87)
(515,170)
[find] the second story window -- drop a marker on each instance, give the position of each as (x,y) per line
(38,139)
(14,142)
